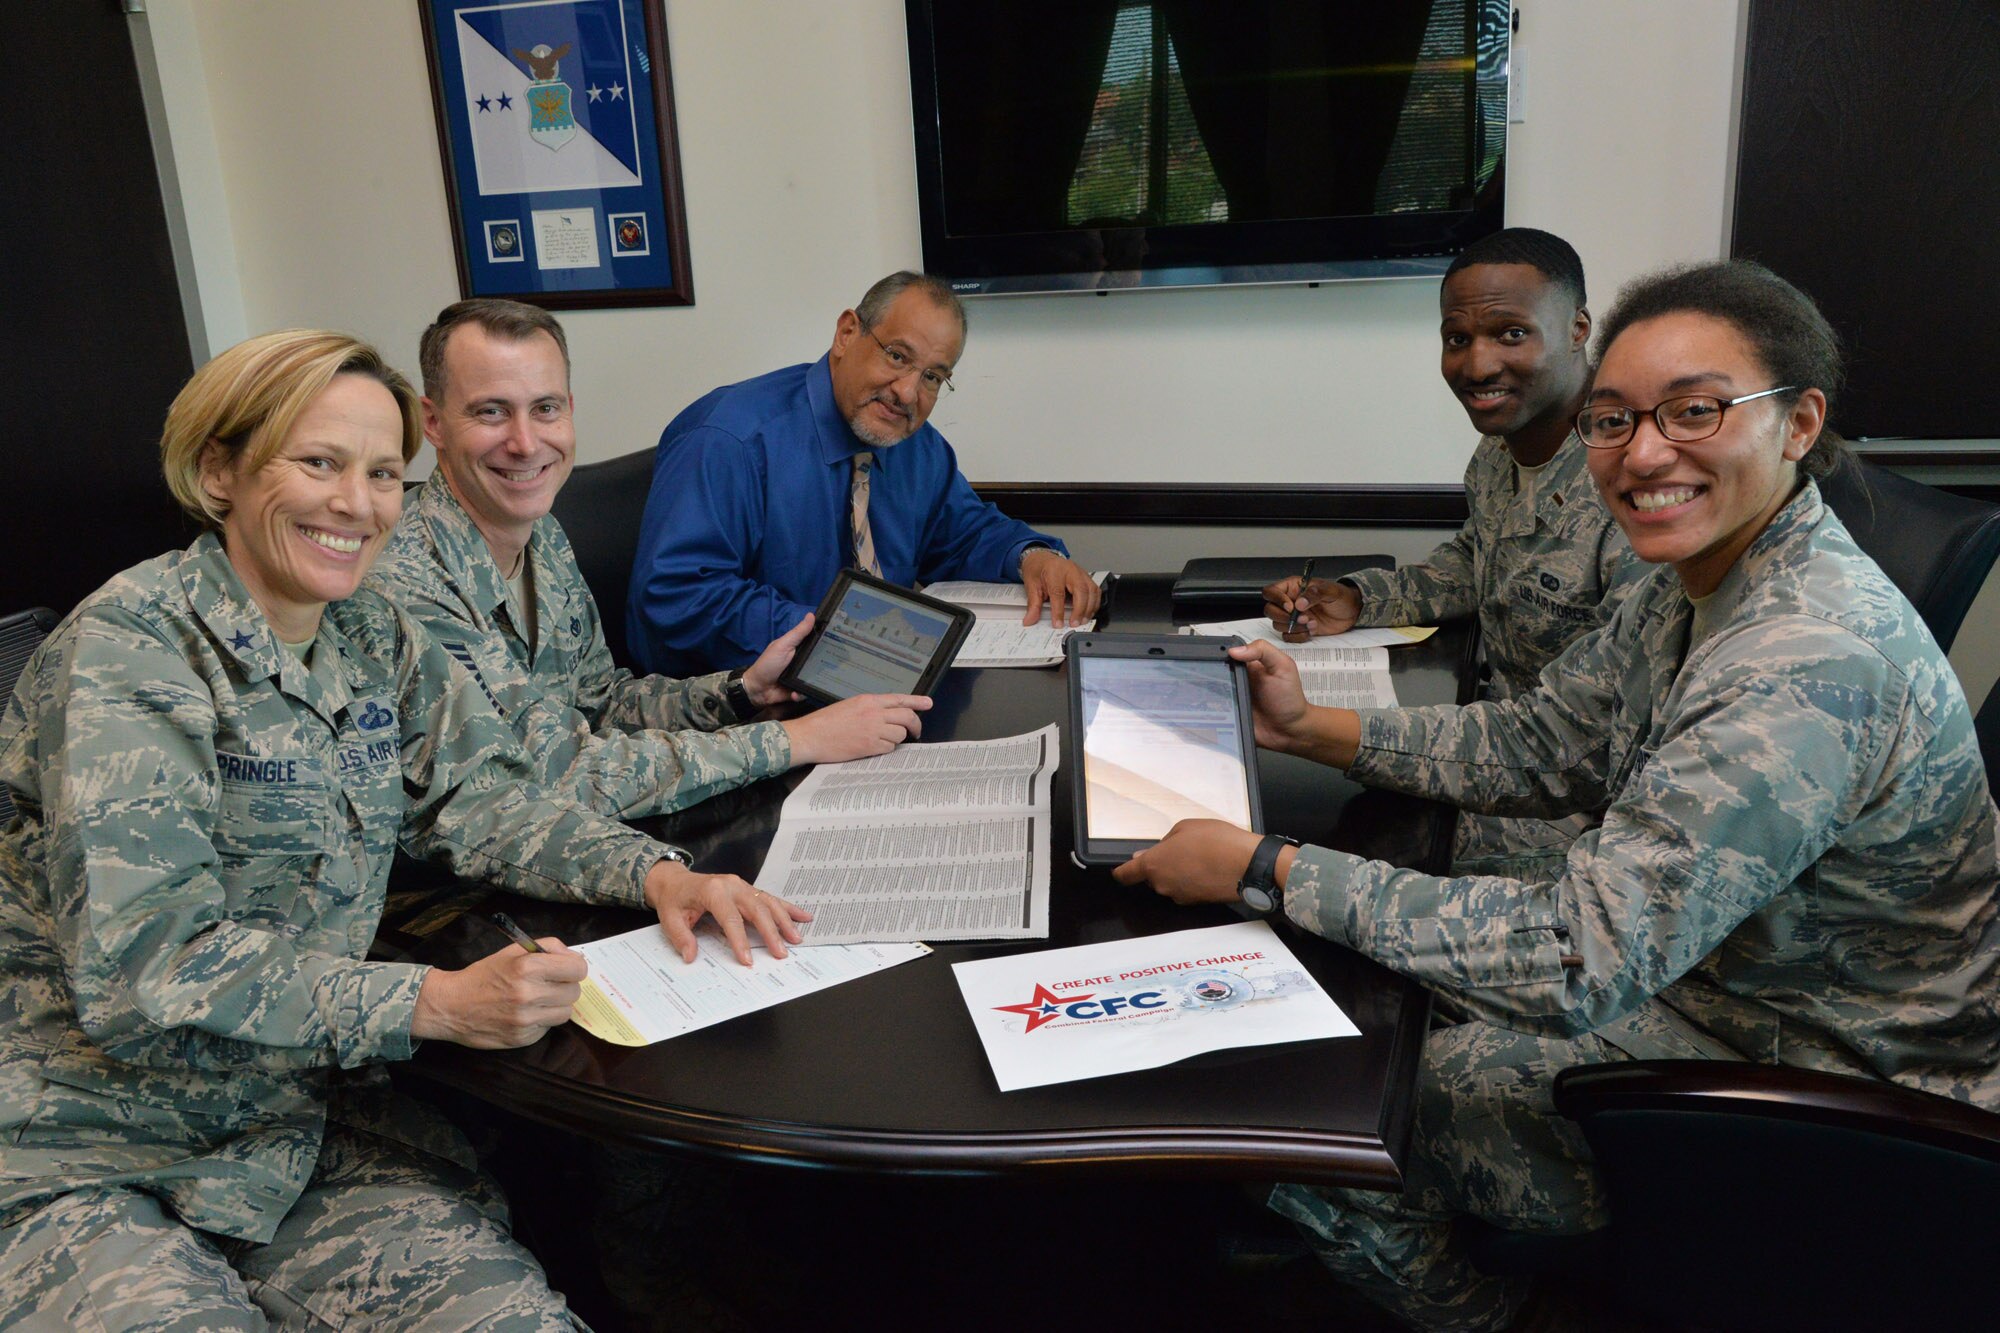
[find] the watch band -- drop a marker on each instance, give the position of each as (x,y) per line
(1259,887)
(670,852)
(737,696)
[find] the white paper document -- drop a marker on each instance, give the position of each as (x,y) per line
(1338,671)
(998,638)
(937,841)
(1259,627)
(1067,1014)
(640,991)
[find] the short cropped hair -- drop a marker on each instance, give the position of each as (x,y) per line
(876,301)
(1783,326)
(1544,251)
(246,399)
(515,321)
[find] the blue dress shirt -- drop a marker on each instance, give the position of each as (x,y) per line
(747,523)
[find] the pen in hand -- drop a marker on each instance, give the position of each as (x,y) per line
(515,933)
(1298,605)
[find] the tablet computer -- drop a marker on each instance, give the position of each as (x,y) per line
(872,637)
(1162,733)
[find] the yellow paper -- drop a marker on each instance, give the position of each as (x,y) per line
(595,1014)
(1415,633)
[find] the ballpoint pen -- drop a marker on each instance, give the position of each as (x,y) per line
(1292,625)
(515,933)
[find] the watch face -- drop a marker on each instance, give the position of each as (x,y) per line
(1257,898)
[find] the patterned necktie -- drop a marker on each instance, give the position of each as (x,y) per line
(864,540)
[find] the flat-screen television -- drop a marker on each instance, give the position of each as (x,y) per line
(1079,145)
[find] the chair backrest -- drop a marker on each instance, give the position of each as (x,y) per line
(1986,725)
(20,634)
(1937,547)
(1762,1197)
(600,508)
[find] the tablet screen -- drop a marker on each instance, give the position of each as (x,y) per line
(1161,743)
(873,643)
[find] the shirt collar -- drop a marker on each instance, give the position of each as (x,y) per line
(461,549)
(217,598)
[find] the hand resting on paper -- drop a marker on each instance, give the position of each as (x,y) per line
(681,897)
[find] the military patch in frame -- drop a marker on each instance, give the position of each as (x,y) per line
(556,127)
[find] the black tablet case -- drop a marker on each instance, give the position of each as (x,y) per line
(1232,587)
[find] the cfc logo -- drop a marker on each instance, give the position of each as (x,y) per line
(1047,1006)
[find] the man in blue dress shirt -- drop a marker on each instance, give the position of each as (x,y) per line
(764,491)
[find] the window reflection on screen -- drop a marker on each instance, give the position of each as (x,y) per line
(874,644)
(1161,744)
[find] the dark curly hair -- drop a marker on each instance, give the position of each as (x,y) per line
(1783,326)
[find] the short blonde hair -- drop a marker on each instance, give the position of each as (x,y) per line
(246,399)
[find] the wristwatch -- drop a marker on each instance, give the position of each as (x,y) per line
(669,852)
(737,696)
(1259,888)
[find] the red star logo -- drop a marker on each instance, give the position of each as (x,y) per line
(1044,1008)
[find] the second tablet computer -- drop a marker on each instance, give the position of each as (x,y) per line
(872,637)
(1162,733)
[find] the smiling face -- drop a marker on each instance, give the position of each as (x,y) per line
(303,529)
(1698,505)
(880,403)
(504,430)
(1514,354)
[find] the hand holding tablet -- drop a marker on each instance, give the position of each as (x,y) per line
(1162,730)
(873,637)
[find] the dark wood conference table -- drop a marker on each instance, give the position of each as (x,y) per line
(886,1073)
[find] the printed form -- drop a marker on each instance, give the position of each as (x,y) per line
(998,638)
(640,991)
(938,841)
(1348,670)
(1096,1009)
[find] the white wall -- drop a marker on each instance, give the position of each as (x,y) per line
(798,162)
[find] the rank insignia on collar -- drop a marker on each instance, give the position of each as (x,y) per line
(239,641)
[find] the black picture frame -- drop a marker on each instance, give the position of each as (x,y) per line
(603,227)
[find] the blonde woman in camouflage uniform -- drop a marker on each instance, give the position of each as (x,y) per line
(1539,561)
(214,759)
(1797,857)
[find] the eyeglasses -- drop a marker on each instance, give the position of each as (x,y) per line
(1691,417)
(933,382)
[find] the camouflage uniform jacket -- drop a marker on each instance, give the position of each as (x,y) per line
(188,895)
(626,745)
(1537,573)
(1797,854)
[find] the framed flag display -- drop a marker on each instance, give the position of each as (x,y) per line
(556,125)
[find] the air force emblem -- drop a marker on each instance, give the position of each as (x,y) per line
(551,123)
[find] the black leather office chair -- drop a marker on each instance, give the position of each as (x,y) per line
(600,508)
(1761,1197)
(1937,547)
(20,634)
(1986,725)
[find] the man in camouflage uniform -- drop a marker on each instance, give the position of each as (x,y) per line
(1796,866)
(1539,560)
(482,564)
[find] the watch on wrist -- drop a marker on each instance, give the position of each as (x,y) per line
(1259,889)
(737,696)
(669,852)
